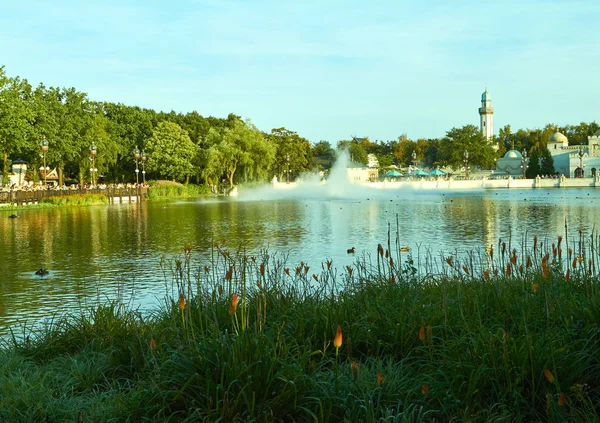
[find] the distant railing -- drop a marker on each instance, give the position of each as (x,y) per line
(114,195)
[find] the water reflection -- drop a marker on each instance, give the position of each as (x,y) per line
(95,253)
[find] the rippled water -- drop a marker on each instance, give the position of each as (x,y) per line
(94,253)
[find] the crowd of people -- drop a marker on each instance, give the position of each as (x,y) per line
(29,186)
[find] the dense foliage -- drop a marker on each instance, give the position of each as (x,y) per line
(500,336)
(210,150)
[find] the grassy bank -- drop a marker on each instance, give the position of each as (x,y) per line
(171,189)
(497,336)
(76,200)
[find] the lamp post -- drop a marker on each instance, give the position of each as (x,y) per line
(414,159)
(144,157)
(581,162)
(287,159)
(466,160)
(44,148)
(524,160)
(136,156)
(93,169)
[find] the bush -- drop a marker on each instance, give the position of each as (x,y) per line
(76,200)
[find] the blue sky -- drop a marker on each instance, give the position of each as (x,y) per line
(325,69)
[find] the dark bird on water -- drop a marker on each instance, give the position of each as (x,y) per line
(351,250)
(13,216)
(41,272)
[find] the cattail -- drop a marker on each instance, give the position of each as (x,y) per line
(315,277)
(568,275)
(380,250)
(450,261)
(262,269)
(233,304)
(535,287)
(466,269)
(387,253)
(545,269)
(329,262)
(206,269)
(349,269)
(574,264)
(422,333)
(513,258)
(521,269)
(393,279)
(486,274)
(561,399)
(354,370)
(549,375)
(379,378)
(529,263)
(337,341)
(508,269)
(424,389)
(534,244)
(229,274)
(152,345)
(181,302)
(559,240)
(287,271)
(220,289)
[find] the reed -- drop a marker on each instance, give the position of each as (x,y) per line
(393,338)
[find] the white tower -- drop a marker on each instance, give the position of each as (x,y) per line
(486,115)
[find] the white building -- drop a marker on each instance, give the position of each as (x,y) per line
(575,161)
(511,164)
(486,116)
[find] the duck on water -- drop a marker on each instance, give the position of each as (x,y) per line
(41,272)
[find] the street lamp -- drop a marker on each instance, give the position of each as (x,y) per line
(287,159)
(524,160)
(581,163)
(414,159)
(466,160)
(93,169)
(144,157)
(44,148)
(136,156)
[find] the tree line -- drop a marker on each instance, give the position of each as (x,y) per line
(190,147)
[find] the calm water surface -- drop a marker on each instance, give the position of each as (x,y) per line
(100,252)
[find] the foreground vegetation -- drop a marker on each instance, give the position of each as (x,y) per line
(497,336)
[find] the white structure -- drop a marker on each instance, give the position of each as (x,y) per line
(358,173)
(511,164)
(575,161)
(486,115)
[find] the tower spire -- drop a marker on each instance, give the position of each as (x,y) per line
(486,115)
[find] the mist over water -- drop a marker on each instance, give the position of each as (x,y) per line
(309,186)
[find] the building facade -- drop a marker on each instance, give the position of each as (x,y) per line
(575,161)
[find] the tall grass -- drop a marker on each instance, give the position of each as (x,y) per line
(171,189)
(76,200)
(510,334)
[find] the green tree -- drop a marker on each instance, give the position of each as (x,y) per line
(241,146)
(470,139)
(547,166)
(16,116)
(292,152)
(171,152)
(533,167)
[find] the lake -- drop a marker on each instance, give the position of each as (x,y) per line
(100,252)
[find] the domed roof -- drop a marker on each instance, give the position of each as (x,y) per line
(513,154)
(486,96)
(558,137)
